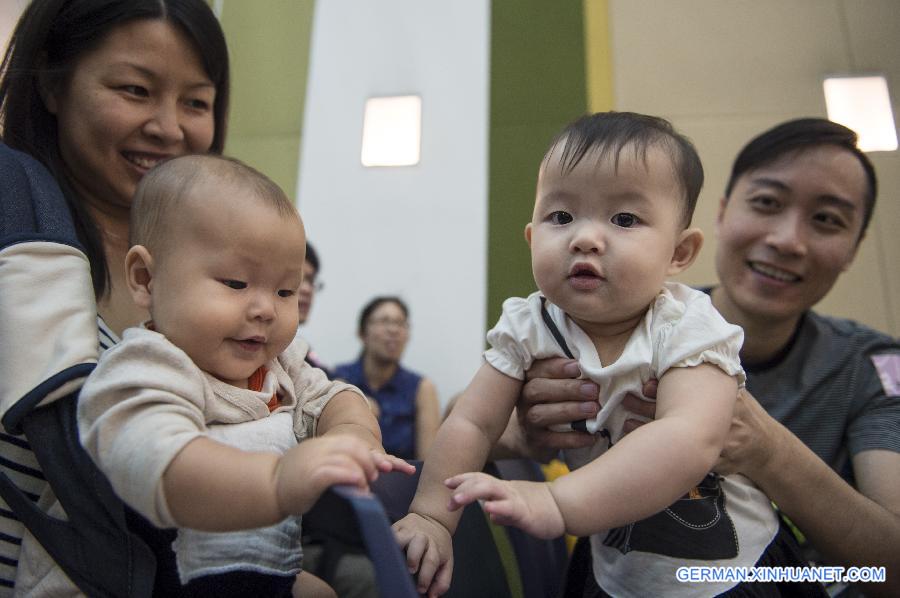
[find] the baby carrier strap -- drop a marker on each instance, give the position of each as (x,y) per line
(48,345)
(94,546)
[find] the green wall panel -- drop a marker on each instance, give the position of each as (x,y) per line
(537,86)
(268,41)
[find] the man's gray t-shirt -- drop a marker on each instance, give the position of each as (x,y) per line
(835,387)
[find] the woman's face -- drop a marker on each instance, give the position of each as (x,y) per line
(788,230)
(139,97)
(386,333)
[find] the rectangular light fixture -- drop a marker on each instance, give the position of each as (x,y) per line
(863,104)
(392,131)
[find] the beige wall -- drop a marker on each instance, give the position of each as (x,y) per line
(725,70)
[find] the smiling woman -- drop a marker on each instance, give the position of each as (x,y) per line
(407,403)
(140,97)
(96,91)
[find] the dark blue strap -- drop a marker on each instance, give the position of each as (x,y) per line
(94,547)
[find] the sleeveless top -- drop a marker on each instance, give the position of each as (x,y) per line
(396,402)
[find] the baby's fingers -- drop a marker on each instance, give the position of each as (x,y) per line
(415,545)
(340,470)
(469,487)
(429,565)
(385,462)
(501,512)
(441,582)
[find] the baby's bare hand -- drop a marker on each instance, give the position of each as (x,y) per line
(386,462)
(314,465)
(529,506)
(429,552)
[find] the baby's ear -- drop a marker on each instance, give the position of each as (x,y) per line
(139,275)
(686,250)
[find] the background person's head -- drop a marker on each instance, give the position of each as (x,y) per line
(797,205)
(384,329)
(615,194)
(214,261)
(101,90)
(311,285)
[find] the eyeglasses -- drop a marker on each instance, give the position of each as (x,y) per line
(388,322)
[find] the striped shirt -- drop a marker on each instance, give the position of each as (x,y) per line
(826,388)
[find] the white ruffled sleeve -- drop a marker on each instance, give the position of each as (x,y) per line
(519,337)
(687,331)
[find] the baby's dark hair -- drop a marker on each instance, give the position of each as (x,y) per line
(796,136)
(162,190)
(610,133)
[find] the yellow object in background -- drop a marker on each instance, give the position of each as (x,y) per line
(553,470)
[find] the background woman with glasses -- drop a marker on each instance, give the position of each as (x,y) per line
(409,414)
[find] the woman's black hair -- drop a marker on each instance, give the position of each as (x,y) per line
(799,135)
(374,304)
(48,40)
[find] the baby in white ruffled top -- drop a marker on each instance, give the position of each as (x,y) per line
(615,197)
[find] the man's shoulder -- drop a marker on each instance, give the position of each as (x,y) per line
(852,335)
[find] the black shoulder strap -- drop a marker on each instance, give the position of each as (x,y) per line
(580,425)
(94,547)
(553,329)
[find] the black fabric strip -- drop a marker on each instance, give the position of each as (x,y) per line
(554,330)
(29,471)
(19,442)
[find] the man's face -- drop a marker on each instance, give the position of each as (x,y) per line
(788,230)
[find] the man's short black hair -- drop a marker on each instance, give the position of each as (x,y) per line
(799,135)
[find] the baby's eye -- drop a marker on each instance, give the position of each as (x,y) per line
(234,284)
(560,217)
(625,220)
(286,293)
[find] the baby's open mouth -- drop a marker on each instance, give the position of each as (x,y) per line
(584,271)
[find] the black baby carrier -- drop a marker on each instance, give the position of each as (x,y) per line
(48,345)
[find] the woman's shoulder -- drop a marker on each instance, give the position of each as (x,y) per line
(347,369)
